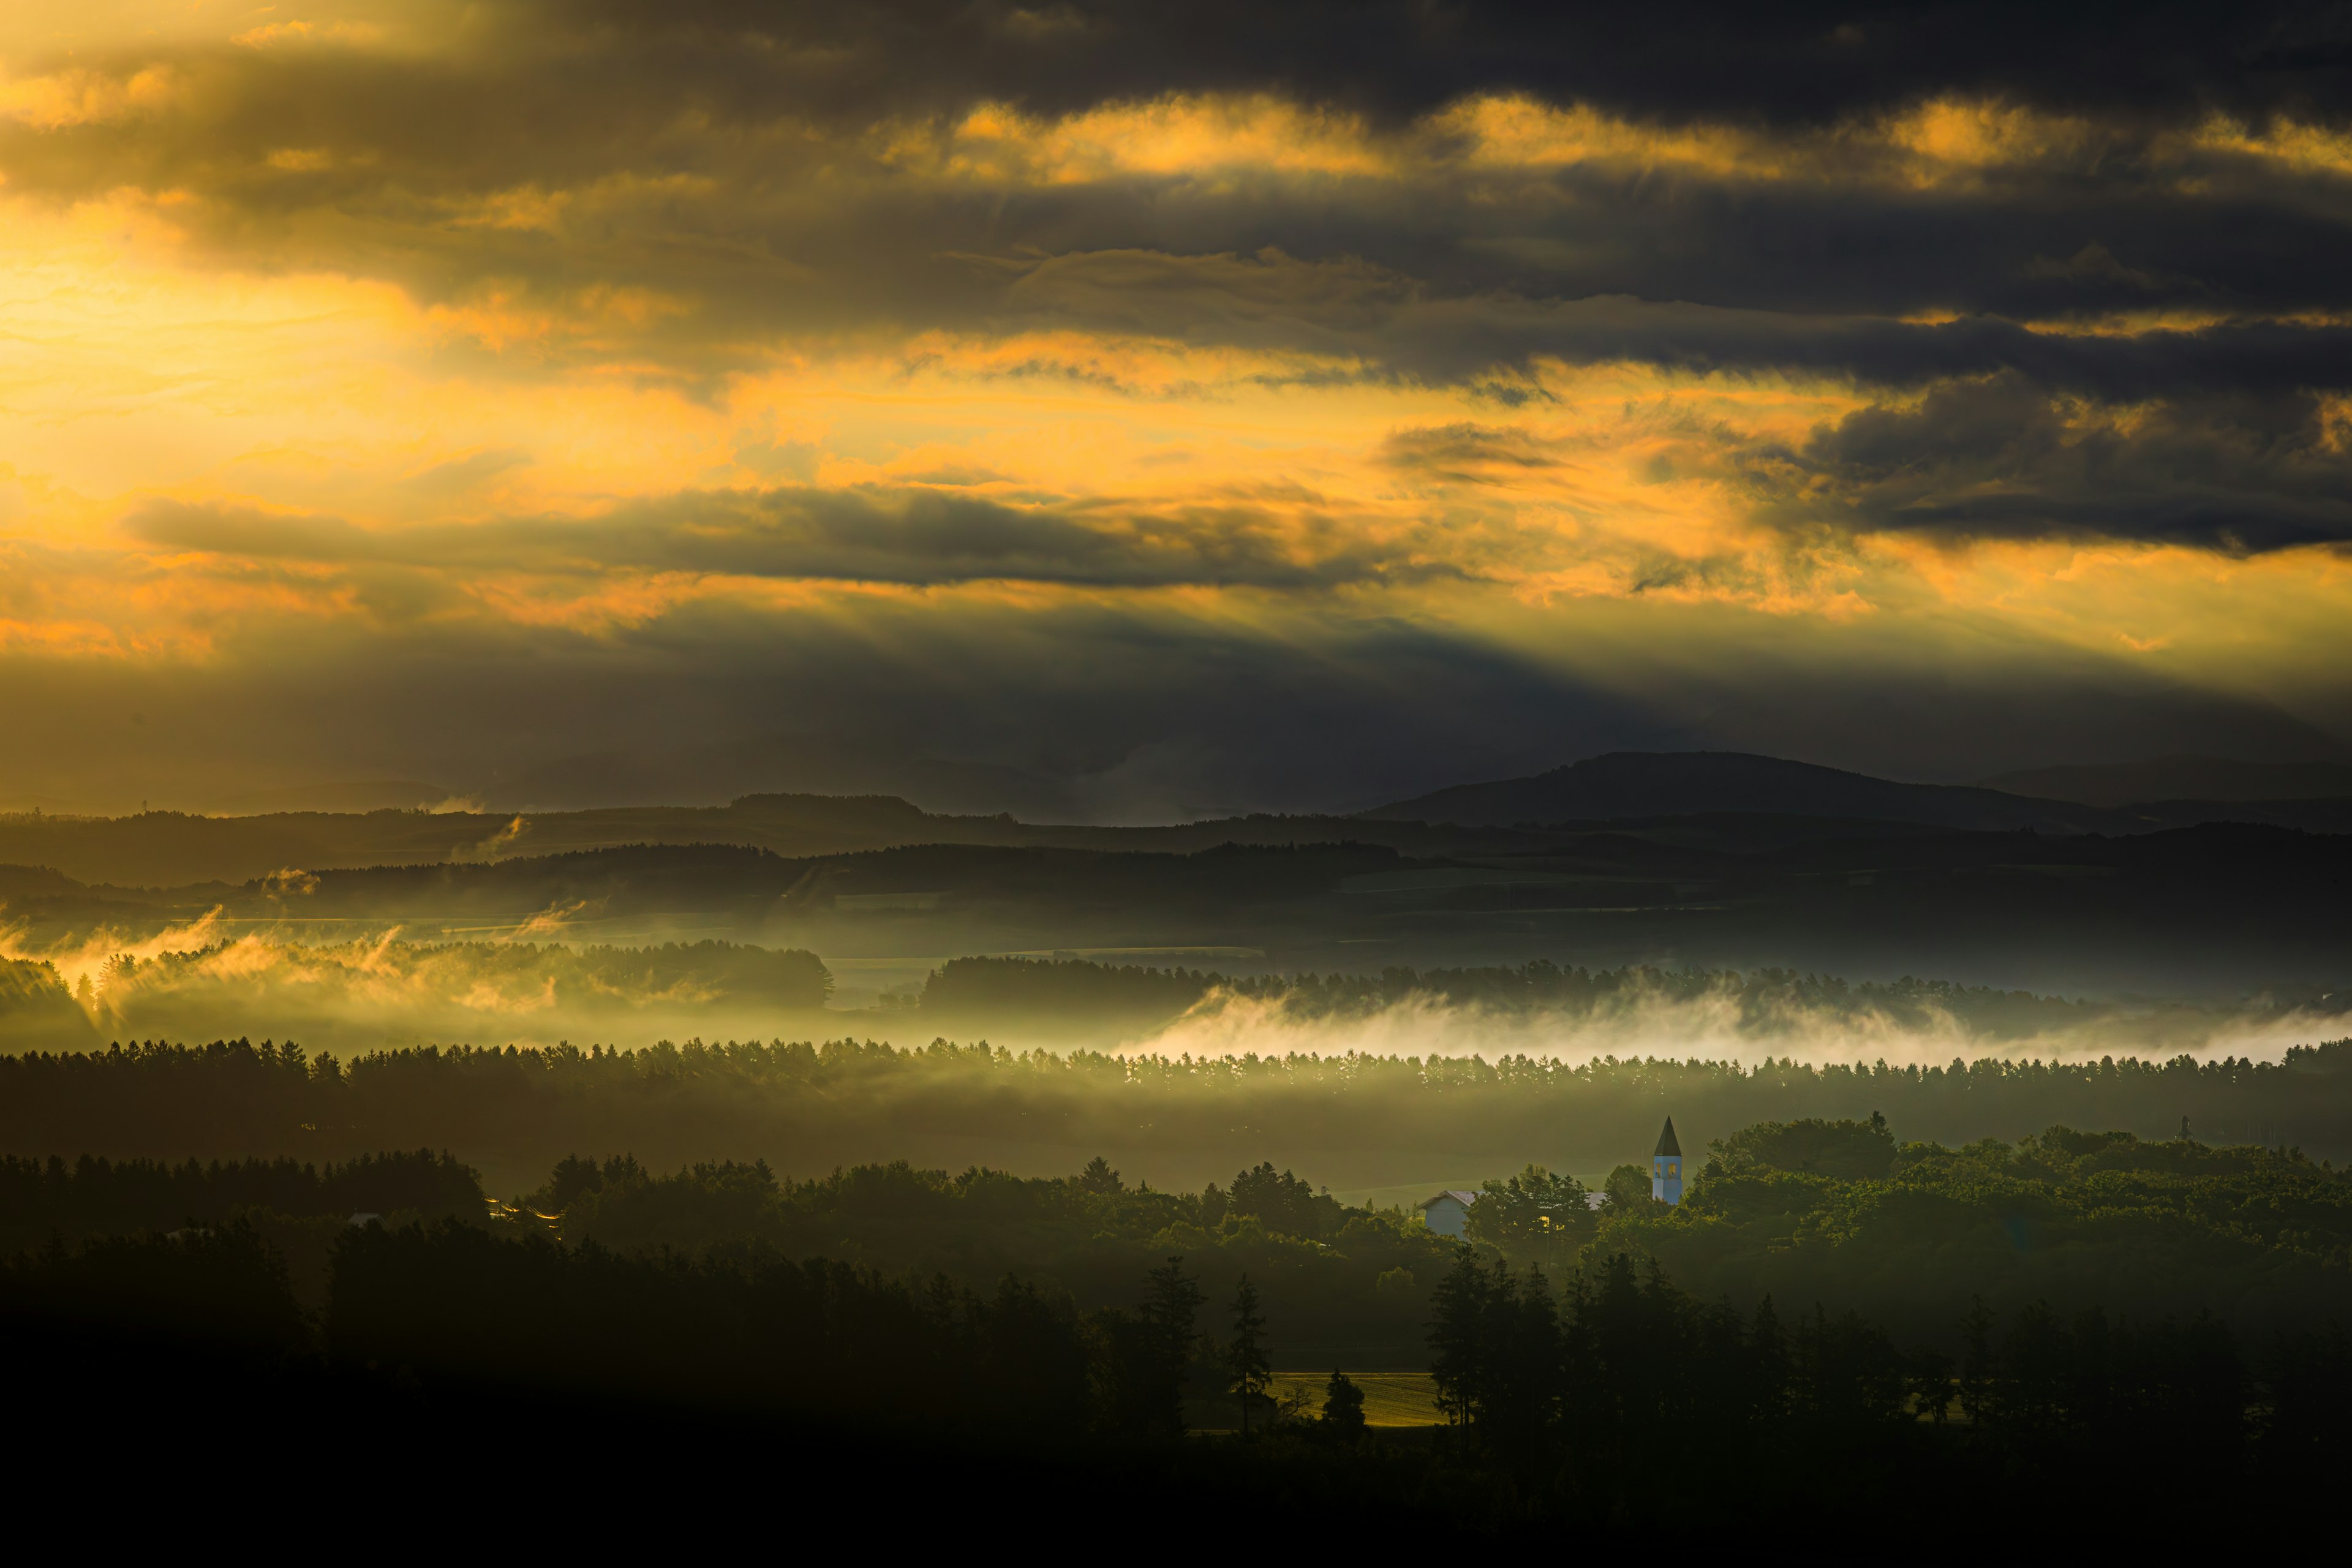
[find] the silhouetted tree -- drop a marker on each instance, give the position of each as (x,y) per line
(1976,1363)
(1170,1313)
(1245,1357)
(1928,1380)
(1457,1338)
(1531,1207)
(1343,1407)
(1281,1201)
(1628,1187)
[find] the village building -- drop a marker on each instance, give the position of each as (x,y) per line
(1448,1214)
(1667,1168)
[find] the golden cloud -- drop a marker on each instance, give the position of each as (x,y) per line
(406,322)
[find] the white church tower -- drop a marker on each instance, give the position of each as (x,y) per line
(1667,1168)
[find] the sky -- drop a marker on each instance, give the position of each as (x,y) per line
(1123,412)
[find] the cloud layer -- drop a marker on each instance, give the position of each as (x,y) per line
(1172,407)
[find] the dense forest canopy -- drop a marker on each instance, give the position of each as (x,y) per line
(1038,1312)
(1834,1211)
(1838,1211)
(97,1196)
(1358,1120)
(1910,1235)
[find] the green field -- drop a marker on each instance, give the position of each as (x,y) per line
(1390,1398)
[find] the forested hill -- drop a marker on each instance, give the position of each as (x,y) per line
(2219,910)
(1648,786)
(1728,800)
(170,848)
(1673,783)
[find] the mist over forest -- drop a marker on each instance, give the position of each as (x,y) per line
(2131,956)
(1296,777)
(986,1127)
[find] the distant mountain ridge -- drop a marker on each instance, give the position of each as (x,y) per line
(1729,801)
(2218,910)
(1621,784)
(356,796)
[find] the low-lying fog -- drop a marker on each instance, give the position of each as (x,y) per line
(200,980)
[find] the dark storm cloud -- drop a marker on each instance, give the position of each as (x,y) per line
(1466,452)
(1457,339)
(2237,471)
(907,536)
(1432,274)
(709,139)
(1785,64)
(727,169)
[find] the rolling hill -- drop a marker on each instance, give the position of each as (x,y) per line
(1623,784)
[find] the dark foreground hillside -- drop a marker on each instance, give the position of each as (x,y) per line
(1837,1330)
(1610,1404)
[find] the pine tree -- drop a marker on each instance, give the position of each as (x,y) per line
(1457,1338)
(1976,1363)
(1927,1379)
(1767,1348)
(1170,1312)
(1245,1357)
(1343,1407)
(1522,1393)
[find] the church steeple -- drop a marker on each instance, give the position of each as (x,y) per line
(1667,1168)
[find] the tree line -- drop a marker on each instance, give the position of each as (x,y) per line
(96,1195)
(457,1307)
(1624,1397)
(1082,1236)
(850,1100)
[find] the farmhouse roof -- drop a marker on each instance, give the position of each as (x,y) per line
(1457,1194)
(1667,1144)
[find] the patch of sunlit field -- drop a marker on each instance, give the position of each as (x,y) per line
(1390,1398)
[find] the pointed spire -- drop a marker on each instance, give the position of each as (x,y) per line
(1667,1144)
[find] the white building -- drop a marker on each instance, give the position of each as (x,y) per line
(1667,1168)
(1448,1214)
